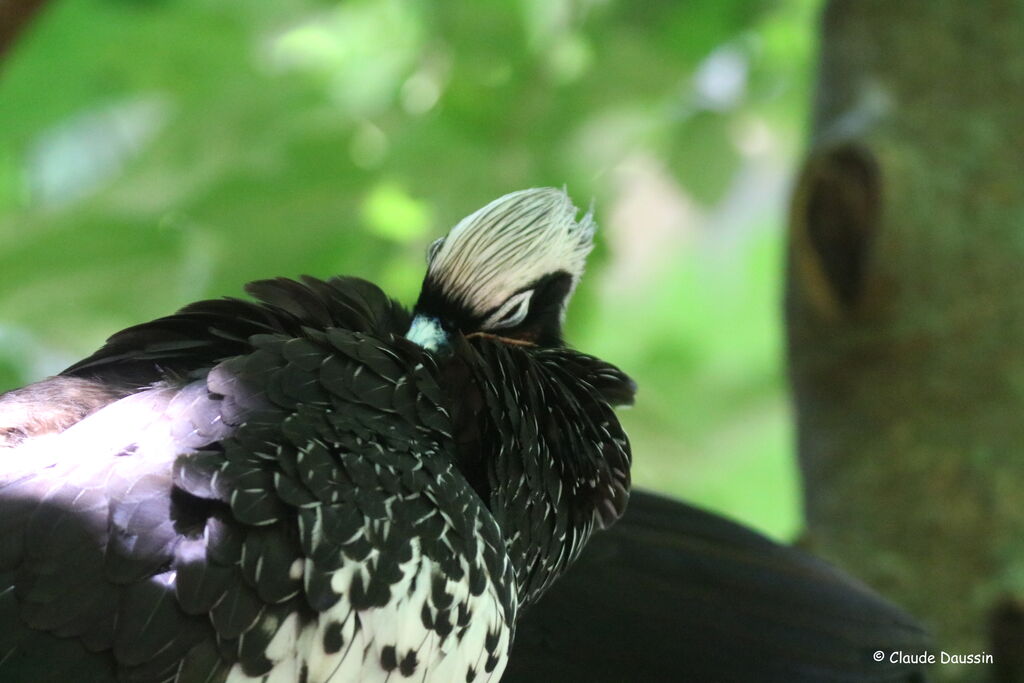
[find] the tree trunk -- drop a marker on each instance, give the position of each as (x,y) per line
(905,307)
(15,15)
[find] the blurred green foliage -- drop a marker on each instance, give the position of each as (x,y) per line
(156,152)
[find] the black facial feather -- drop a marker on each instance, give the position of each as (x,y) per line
(542,325)
(453,317)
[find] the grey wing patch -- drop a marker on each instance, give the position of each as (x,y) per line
(90,535)
(50,407)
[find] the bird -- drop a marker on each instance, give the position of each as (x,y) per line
(171,507)
(317,484)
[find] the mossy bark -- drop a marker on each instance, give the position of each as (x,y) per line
(905,310)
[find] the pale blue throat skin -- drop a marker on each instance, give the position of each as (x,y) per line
(427,332)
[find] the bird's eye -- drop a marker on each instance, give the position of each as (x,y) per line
(434,247)
(510,313)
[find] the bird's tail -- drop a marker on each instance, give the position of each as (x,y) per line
(675,593)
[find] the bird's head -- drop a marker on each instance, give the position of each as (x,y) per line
(507,270)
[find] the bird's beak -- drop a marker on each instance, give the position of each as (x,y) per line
(427,332)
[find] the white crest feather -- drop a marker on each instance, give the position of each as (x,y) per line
(509,244)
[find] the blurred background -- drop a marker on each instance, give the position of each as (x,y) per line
(153,152)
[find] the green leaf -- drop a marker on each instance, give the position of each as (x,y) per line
(391,213)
